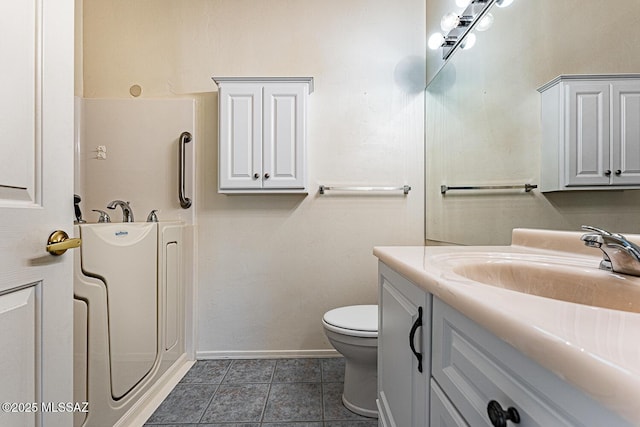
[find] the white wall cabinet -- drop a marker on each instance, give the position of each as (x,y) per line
(591,133)
(262,134)
(464,368)
(404,320)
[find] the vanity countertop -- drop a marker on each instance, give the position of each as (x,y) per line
(596,350)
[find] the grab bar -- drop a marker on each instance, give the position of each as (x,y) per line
(185,202)
(527,187)
(404,188)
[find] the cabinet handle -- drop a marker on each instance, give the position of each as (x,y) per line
(607,173)
(499,416)
(256,175)
(412,334)
(618,172)
(267,176)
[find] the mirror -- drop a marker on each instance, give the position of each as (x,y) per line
(483,119)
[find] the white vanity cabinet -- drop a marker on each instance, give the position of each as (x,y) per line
(591,132)
(262,134)
(474,368)
(465,367)
(404,331)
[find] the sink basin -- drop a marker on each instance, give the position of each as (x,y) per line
(550,278)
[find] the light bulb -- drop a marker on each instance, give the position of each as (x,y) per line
(449,21)
(463,3)
(503,3)
(485,22)
(468,41)
(435,41)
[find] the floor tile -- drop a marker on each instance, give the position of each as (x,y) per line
(297,371)
(237,403)
(369,422)
(207,372)
(207,425)
(333,369)
(294,402)
(250,371)
(228,425)
(185,404)
(173,425)
(312,424)
(332,403)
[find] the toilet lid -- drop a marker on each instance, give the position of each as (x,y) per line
(362,318)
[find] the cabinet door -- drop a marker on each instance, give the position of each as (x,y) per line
(284,135)
(402,388)
(240,136)
(626,132)
(588,151)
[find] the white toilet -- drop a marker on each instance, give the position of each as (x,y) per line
(353,332)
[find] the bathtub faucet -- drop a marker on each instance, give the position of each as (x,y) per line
(127,212)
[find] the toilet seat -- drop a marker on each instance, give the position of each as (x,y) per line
(354,320)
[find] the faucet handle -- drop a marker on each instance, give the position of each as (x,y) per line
(104,217)
(152,217)
(597,230)
(603,232)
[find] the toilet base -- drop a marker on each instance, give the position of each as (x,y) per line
(360,383)
(358,410)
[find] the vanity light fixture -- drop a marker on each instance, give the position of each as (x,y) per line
(458,27)
(449,21)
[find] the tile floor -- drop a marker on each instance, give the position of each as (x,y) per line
(259,393)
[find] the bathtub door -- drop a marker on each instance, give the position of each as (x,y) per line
(36,191)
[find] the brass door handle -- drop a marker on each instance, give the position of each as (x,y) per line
(59,242)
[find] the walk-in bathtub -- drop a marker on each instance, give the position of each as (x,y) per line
(128,317)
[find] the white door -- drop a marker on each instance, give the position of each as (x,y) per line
(36,186)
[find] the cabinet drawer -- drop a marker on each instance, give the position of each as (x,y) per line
(474,367)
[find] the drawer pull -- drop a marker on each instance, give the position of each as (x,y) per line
(412,334)
(499,416)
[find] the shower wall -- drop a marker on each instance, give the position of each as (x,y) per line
(269,266)
(139,163)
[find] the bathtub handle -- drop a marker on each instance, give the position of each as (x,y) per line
(412,335)
(185,202)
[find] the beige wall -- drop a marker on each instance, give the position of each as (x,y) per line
(270,266)
(483,119)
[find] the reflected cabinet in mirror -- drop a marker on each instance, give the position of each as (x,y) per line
(484,126)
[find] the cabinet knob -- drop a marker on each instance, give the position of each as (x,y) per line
(267,176)
(618,172)
(607,172)
(256,175)
(499,416)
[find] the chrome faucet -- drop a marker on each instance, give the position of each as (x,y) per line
(127,212)
(619,254)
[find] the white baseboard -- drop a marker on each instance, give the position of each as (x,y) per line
(266,354)
(146,406)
